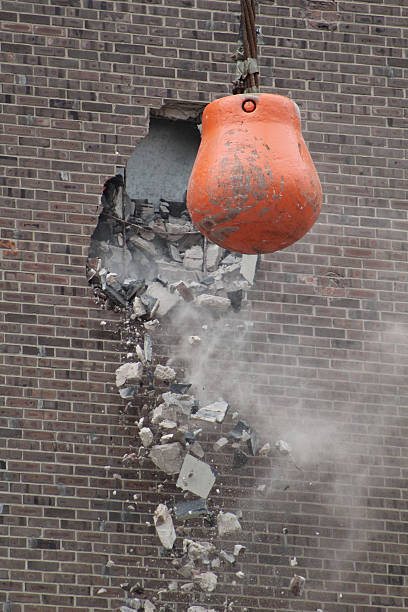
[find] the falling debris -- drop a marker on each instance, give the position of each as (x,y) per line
(283,447)
(297,585)
(198,551)
(164,373)
(191,508)
(166,300)
(238,548)
(220,443)
(227,556)
(207,581)
(146,436)
(213,413)
(197,449)
(138,307)
(196,476)
(129,373)
(164,526)
(293,562)
(213,302)
(265,450)
(227,522)
(240,431)
(248,267)
(167,457)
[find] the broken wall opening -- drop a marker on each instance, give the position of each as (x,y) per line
(144,232)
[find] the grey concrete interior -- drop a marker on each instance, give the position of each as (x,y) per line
(161,164)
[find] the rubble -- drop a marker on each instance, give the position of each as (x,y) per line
(153,261)
(227,523)
(167,457)
(162,412)
(198,551)
(227,557)
(167,300)
(146,436)
(207,581)
(164,526)
(191,508)
(164,373)
(148,347)
(129,373)
(128,392)
(184,292)
(283,447)
(213,256)
(194,340)
(213,413)
(240,431)
(265,450)
(220,443)
(213,302)
(193,258)
(297,585)
(196,476)
(138,307)
(150,325)
(248,267)
(196,449)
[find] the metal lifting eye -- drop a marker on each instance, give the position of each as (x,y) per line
(248,106)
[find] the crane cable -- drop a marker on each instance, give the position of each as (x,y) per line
(246,56)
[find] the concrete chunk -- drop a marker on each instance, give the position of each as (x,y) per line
(146,436)
(213,302)
(198,551)
(167,300)
(248,267)
(213,256)
(167,457)
(196,476)
(164,526)
(193,258)
(164,373)
(207,581)
(283,447)
(213,413)
(138,307)
(191,508)
(129,373)
(227,523)
(297,585)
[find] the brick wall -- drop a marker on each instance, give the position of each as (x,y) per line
(326,358)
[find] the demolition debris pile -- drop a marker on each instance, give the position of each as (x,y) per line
(148,262)
(149,255)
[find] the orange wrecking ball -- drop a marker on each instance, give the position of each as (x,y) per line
(253,187)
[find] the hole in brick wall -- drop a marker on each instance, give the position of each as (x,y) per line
(144,232)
